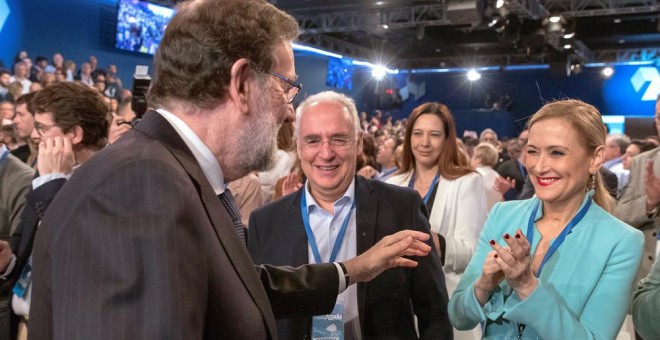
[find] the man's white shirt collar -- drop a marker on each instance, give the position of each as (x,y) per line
(202,153)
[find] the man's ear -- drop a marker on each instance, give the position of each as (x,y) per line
(239,85)
(76,134)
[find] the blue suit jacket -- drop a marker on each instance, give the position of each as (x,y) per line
(386,304)
(584,289)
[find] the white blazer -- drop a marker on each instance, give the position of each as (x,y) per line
(458,214)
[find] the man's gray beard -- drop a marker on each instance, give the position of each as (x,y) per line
(256,145)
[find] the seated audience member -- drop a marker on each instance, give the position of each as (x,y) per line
(327,220)
(70,126)
(640,198)
(6,111)
(452,191)
(85,74)
(386,160)
(470,143)
(15,178)
(646,305)
(21,76)
(9,138)
(559,265)
(5,78)
(615,148)
(24,122)
(485,157)
(488,136)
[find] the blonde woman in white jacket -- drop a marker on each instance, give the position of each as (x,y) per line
(454,192)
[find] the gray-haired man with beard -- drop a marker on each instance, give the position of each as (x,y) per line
(138,245)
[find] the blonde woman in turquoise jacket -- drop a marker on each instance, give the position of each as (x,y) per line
(559,265)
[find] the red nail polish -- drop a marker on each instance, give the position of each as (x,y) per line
(517,235)
(495,256)
(506,236)
(492,242)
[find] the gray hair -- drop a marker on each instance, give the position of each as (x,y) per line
(484,132)
(329,96)
(621,141)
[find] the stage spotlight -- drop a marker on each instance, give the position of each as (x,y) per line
(568,46)
(608,72)
(499,4)
(378,72)
(554,19)
(569,35)
(473,75)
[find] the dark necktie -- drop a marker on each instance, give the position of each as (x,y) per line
(228,201)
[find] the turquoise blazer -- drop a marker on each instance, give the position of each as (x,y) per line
(584,290)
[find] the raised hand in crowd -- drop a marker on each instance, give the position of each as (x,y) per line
(368,172)
(55,156)
(291,184)
(502,185)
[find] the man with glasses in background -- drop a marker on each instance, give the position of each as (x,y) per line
(70,126)
(145,242)
(337,215)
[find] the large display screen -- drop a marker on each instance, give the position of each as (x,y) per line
(140,25)
(340,74)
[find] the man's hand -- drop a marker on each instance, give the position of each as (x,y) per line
(651,187)
(388,253)
(55,156)
(502,185)
(118,127)
(5,255)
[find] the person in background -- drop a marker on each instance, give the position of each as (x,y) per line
(452,191)
(615,148)
(635,147)
(646,305)
(484,158)
(559,265)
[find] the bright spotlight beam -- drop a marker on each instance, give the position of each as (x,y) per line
(473,75)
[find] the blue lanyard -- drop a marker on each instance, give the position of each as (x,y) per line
(560,239)
(310,233)
(436,179)
(4,155)
(388,172)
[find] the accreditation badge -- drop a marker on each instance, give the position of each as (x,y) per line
(329,326)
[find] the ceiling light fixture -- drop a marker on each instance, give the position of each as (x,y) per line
(473,75)
(608,72)
(568,46)
(378,72)
(499,4)
(554,19)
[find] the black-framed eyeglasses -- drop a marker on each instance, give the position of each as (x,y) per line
(42,128)
(293,91)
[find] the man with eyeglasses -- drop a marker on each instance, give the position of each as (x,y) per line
(145,242)
(337,215)
(70,126)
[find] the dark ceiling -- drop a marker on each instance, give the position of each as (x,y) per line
(455,33)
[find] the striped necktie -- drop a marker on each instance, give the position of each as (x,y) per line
(228,201)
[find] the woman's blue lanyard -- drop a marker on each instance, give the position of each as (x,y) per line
(560,239)
(436,179)
(310,233)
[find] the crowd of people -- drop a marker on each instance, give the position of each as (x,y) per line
(227,213)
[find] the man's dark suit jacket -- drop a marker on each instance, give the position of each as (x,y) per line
(137,245)
(37,201)
(386,304)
